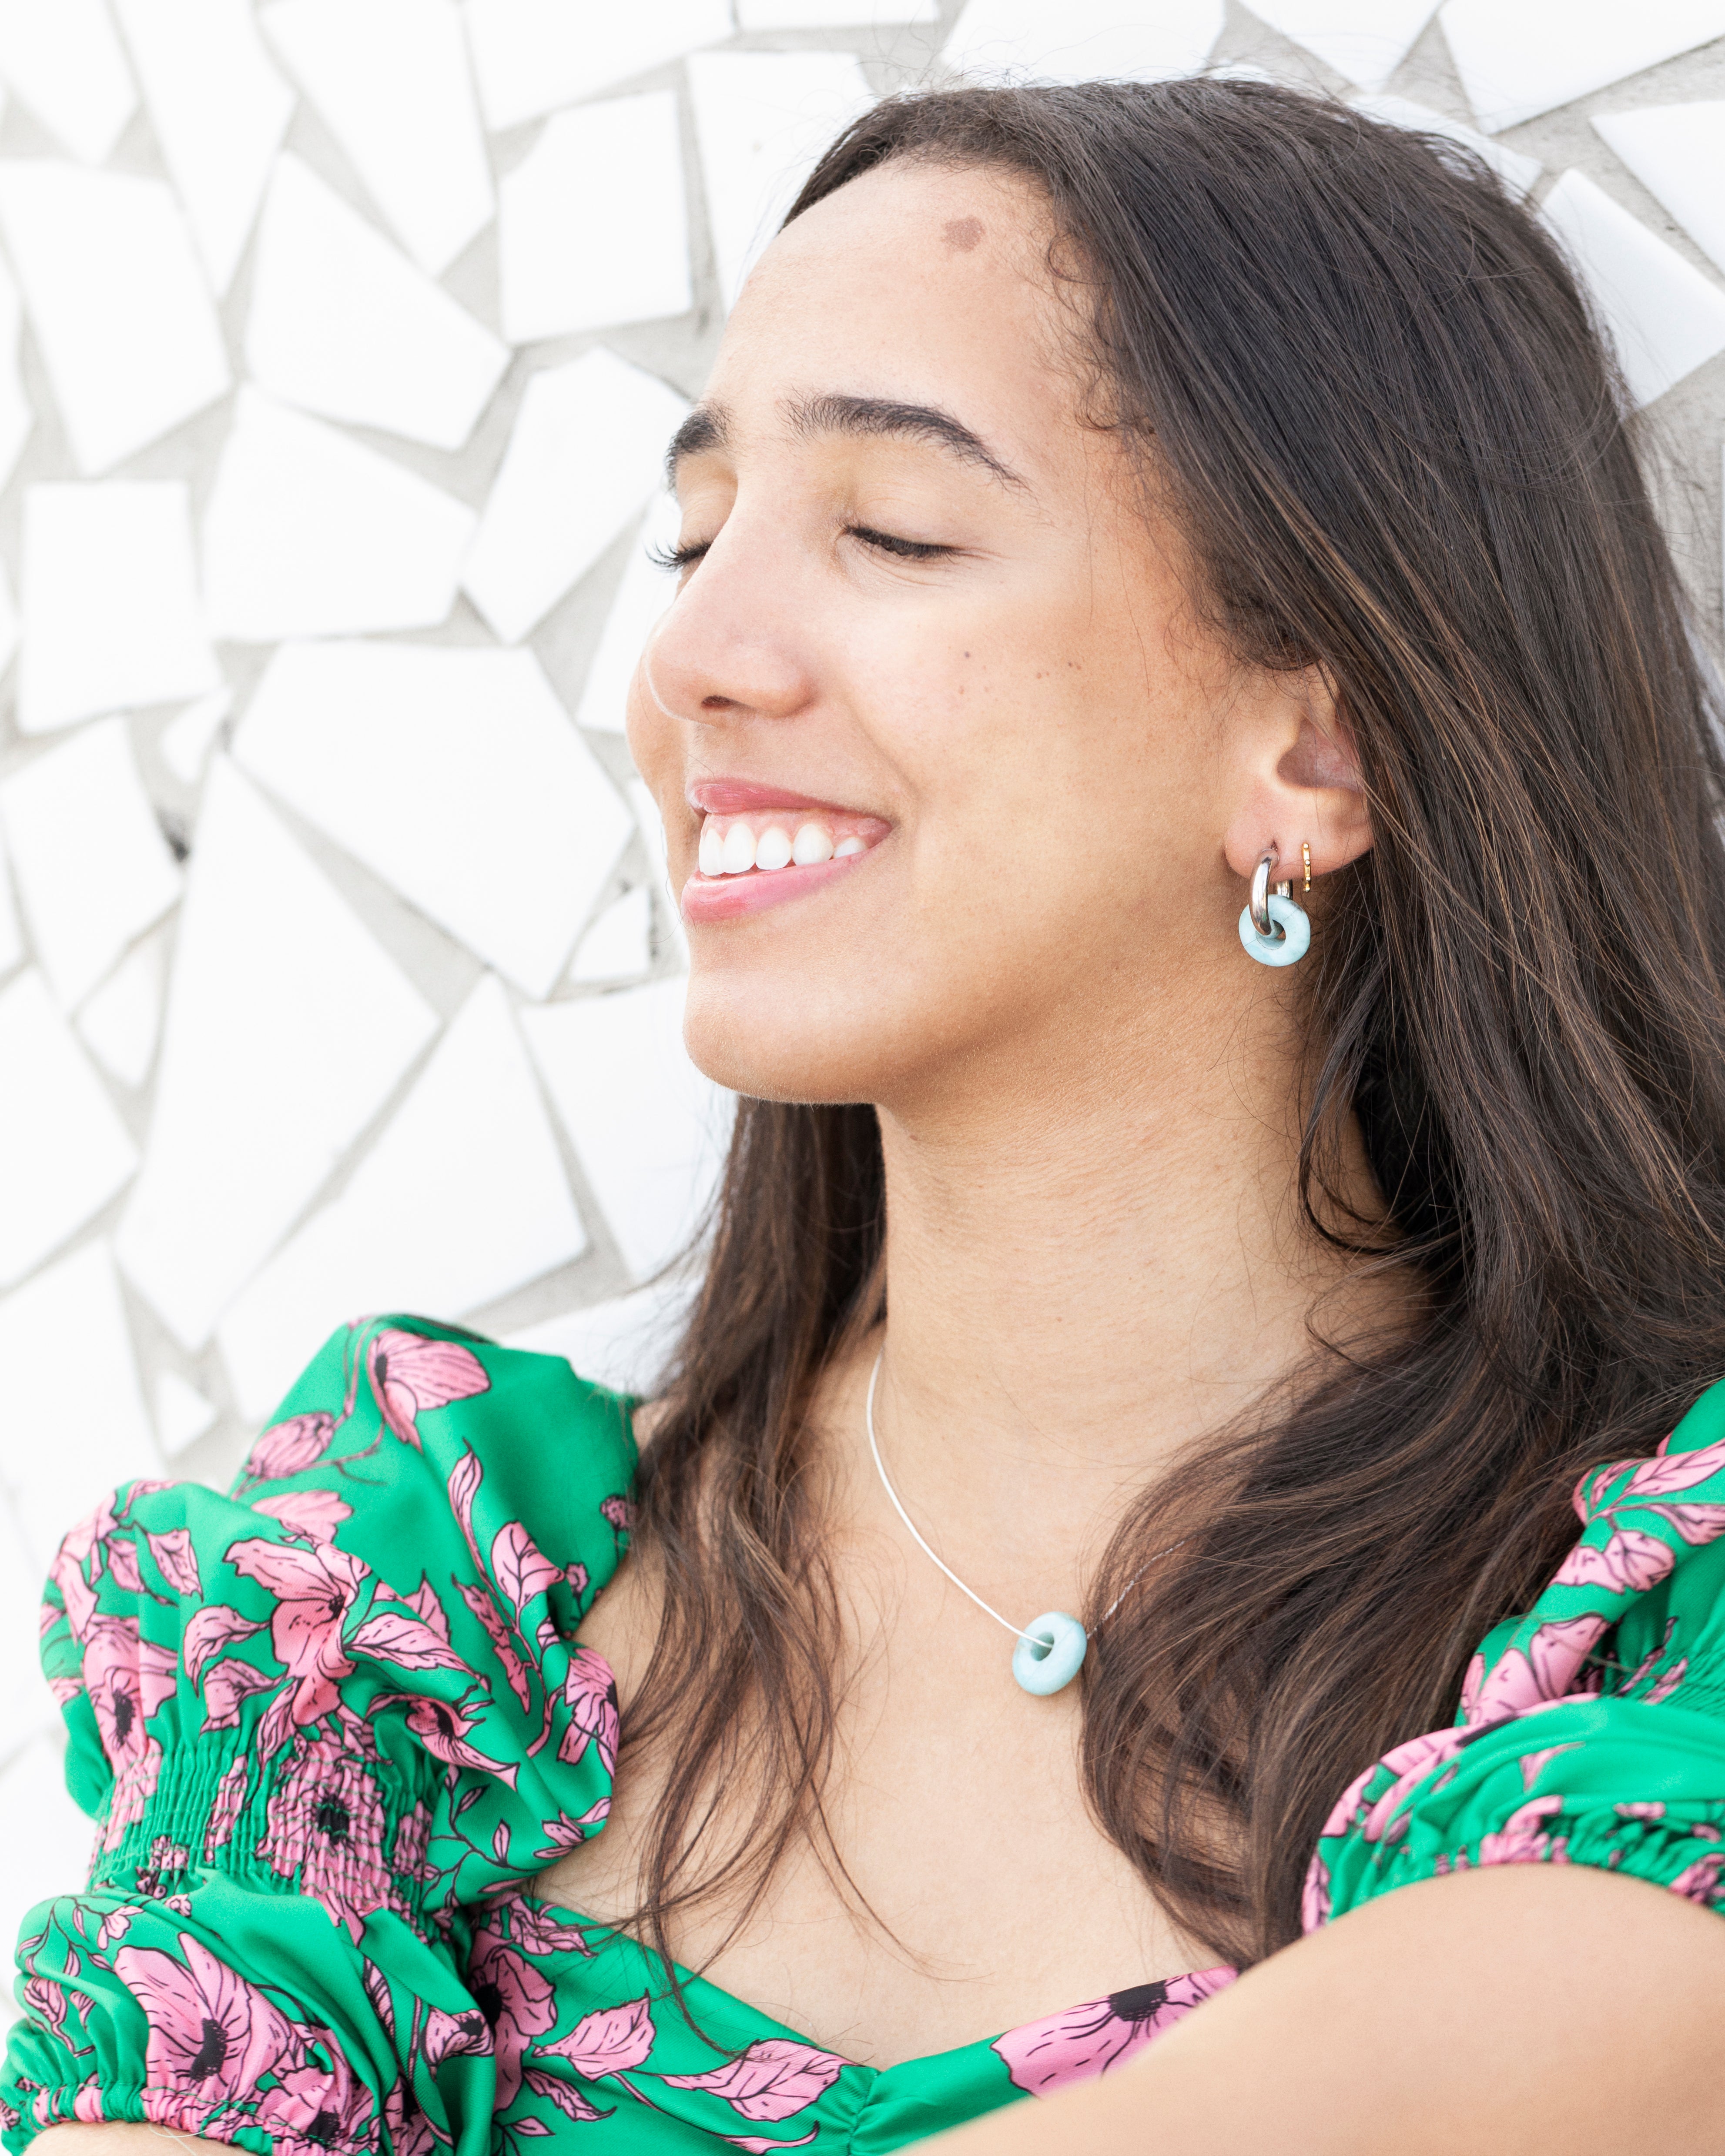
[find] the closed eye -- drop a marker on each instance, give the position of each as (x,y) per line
(887,542)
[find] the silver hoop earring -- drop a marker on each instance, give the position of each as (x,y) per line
(1273,930)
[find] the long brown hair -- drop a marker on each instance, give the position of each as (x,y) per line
(1362,378)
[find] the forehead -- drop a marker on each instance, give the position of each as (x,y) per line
(919,283)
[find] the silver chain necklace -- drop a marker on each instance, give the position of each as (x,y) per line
(1051,1651)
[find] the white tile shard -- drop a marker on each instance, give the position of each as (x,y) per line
(1519,61)
(187,739)
(391,80)
(761,122)
(343,324)
(80,1439)
(92,868)
(120,1024)
(1663,316)
(532,56)
(26,1703)
(45,1839)
(1677,152)
(1512,166)
(309,534)
(112,615)
(219,109)
(1081,40)
(287,1029)
(462,1199)
(626,1342)
(651,827)
(63,1151)
(587,450)
(561,268)
(618,946)
(12,935)
(17,417)
(65,62)
(1365,40)
(832,14)
(649,1130)
(182,1415)
(115,295)
(455,775)
(643,597)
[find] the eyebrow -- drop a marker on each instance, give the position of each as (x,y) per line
(881,418)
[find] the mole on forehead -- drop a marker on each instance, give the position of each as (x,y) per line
(962,233)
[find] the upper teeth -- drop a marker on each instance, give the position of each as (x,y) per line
(735,848)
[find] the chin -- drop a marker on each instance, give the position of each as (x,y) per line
(778,1039)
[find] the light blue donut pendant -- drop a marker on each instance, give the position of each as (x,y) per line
(1290,946)
(1050,1653)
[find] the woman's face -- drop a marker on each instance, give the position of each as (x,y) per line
(931,671)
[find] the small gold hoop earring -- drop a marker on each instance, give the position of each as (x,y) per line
(1306,855)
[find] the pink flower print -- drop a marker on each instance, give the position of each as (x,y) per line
(443,1729)
(590,1690)
(225,1813)
(411,2133)
(87,2104)
(1696,1523)
(316,2109)
(567,1834)
(569,2100)
(176,1560)
(1347,1806)
(1667,1473)
(227,1686)
(413,1833)
(1653,1811)
(312,1515)
(1667,1682)
(515,2000)
(1410,1763)
(1314,1895)
(289,1447)
(128,1679)
(213,2035)
(1546,1670)
(86,1543)
(314,1589)
(514,1669)
(123,1564)
(519,1566)
(1521,1839)
(1087,2040)
(1630,1562)
(45,2003)
(325,1823)
(209,1629)
(1533,1763)
(1699,1881)
(455,2035)
(537,1931)
(410,1374)
(613,2041)
(408,1642)
(774,2079)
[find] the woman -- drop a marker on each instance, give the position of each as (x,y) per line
(1131,533)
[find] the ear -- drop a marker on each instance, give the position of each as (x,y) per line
(1297,779)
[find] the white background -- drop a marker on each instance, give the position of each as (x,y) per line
(339,344)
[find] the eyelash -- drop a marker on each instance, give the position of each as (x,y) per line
(904,550)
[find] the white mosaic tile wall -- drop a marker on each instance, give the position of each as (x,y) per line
(339,343)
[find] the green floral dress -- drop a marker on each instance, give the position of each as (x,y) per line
(332,1727)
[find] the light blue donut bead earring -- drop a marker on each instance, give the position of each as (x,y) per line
(1050,1653)
(1273,930)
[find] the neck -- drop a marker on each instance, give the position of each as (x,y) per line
(1085,1274)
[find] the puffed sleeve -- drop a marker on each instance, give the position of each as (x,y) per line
(1592,1730)
(315,1720)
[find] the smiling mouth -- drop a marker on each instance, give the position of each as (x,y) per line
(761,857)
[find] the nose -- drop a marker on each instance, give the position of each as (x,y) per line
(731,646)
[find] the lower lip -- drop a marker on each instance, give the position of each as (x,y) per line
(726,898)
